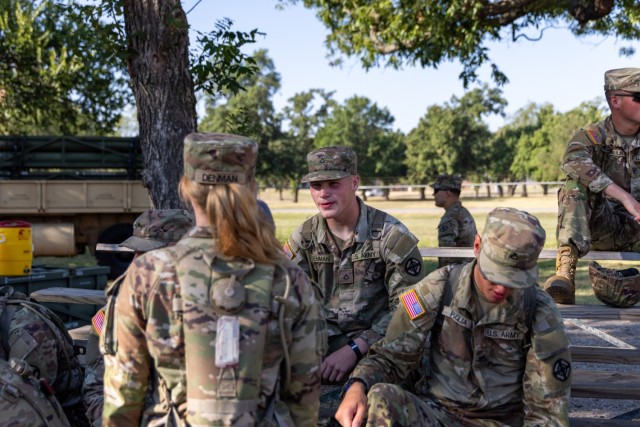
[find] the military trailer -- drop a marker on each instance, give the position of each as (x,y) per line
(75,191)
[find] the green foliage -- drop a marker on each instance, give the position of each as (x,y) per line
(428,33)
(249,112)
(218,64)
(539,135)
(453,138)
(54,76)
(367,128)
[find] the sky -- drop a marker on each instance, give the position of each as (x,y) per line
(559,69)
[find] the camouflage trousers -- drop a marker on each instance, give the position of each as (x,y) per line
(588,220)
(392,406)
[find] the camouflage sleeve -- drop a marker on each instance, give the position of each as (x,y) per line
(448,231)
(295,252)
(92,387)
(404,268)
(391,359)
(578,163)
(547,377)
(127,371)
(303,394)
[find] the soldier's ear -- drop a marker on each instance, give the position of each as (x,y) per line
(356,182)
(477,245)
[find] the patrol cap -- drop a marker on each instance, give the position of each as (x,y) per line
(157,228)
(447,182)
(622,79)
(331,163)
(220,158)
(511,242)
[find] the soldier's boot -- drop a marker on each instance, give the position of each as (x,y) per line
(562,286)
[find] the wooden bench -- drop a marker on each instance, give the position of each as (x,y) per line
(589,383)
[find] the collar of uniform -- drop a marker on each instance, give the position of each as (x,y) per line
(458,203)
(363,226)
(463,296)
(199,231)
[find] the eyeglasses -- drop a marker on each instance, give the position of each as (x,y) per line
(635,96)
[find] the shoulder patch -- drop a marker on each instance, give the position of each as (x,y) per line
(594,134)
(98,320)
(287,250)
(412,304)
(413,266)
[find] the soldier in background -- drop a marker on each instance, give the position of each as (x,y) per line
(598,206)
(498,356)
(153,229)
(457,227)
(360,257)
(221,327)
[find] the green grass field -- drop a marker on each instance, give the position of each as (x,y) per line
(421,217)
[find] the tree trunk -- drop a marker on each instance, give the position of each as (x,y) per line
(524,190)
(422,191)
(489,190)
(158,61)
(500,191)
(545,189)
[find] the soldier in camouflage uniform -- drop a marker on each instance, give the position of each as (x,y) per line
(457,227)
(153,229)
(498,352)
(360,257)
(598,205)
(221,328)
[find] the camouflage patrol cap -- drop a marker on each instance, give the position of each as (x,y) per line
(511,242)
(331,163)
(622,79)
(220,158)
(447,182)
(157,228)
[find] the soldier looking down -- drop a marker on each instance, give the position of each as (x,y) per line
(360,257)
(499,355)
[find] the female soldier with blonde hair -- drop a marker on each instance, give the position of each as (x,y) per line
(220,329)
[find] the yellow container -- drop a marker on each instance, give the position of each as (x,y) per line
(16,248)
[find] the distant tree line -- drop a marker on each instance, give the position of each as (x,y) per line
(449,138)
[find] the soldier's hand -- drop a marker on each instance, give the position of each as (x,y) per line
(338,364)
(353,409)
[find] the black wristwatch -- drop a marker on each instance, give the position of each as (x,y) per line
(355,348)
(351,381)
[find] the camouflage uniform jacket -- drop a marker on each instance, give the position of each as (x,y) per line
(456,229)
(360,283)
(598,156)
(151,344)
(478,367)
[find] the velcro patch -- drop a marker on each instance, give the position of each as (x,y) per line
(287,250)
(412,304)
(97,321)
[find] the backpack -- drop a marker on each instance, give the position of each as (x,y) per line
(235,300)
(23,397)
(32,333)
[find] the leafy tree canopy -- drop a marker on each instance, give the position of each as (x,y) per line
(54,75)
(427,33)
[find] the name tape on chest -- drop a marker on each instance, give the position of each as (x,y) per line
(358,256)
(458,318)
(412,304)
(509,334)
(322,258)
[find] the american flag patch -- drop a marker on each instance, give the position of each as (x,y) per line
(287,250)
(97,321)
(412,304)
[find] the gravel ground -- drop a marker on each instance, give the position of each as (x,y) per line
(626,331)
